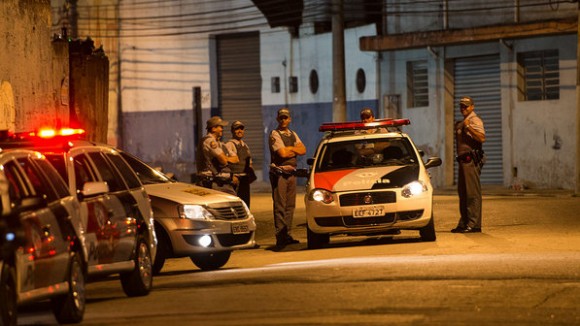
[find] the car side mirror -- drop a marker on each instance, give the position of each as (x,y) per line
(421,152)
(433,162)
(94,188)
(310,161)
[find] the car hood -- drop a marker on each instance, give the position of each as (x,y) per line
(364,179)
(185,193)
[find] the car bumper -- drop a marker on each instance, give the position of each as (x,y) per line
(406,213)
(226,235)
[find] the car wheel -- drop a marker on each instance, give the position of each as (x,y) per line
(70,308)
(316,240)
(163,251)
(9,306)
(139,281)
(211,261)
(427,233)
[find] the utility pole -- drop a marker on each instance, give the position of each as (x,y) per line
(74,19)
(577,179)
(338,75)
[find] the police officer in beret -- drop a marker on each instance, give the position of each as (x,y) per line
(285,147)
(213,159)
(469,136)
(243,169)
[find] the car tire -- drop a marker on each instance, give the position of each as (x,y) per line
(427,233)
(9,305)
(316,240)
(139,281)
(163,250)
(211,261)
(70,308)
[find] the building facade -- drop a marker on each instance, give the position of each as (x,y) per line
(173,65)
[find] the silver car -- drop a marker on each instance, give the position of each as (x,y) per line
(192,221)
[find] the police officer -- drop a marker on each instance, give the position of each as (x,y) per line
(367,115)
(469,135)
(285,147)
(243,169)
(213,160)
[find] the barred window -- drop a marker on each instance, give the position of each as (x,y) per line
(539,75)
(417,84)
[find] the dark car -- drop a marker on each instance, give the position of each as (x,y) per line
(41,251)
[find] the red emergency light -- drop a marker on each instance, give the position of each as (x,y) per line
(51,133)
(358,125)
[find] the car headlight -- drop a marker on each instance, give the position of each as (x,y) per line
(194,212)
(413,189)
(321,195)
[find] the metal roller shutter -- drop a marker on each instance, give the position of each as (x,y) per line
(479,78)
(240,87)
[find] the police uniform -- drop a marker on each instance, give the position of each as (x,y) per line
(283,182)
(470,159)
(211,174)
(240,148)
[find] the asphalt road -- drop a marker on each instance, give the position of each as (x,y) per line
(524,269)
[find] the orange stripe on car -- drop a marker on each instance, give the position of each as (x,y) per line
(327,180)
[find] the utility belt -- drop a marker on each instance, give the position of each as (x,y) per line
(221,180)
(278,171)
(477,156)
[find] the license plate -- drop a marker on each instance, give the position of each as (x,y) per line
(240,228)
(368,211)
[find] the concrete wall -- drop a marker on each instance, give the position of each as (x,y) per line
(33,68)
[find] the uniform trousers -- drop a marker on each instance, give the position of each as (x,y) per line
(469,189)
(284,198)
(243,189)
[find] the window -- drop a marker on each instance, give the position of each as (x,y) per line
(417,84)
(275,85)
(125,170)
(361,80)
(313,81)
(107,172)
(538,75)
(293,84)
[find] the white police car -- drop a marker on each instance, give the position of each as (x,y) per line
(368,179)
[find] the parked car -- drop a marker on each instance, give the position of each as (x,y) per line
(192,221)
(41,251)
(368,183)
(117,220)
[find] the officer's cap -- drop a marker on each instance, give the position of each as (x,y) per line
(466,101)
(215,121)
(284,112)
(237,124)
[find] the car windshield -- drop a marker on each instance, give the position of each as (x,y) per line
(146,174)
(363,153)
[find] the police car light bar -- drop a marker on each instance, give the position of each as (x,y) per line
(357,125)
(51,133)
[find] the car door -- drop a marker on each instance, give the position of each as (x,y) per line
(106,227)
(125,228)
(44,259)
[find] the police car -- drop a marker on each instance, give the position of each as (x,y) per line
(41,251)
(368,179)
(116,216)
(191,221)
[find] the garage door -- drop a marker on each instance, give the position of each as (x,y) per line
(479,78)
(240,87)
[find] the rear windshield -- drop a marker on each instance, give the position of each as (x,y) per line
(363,153)
(146,174)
